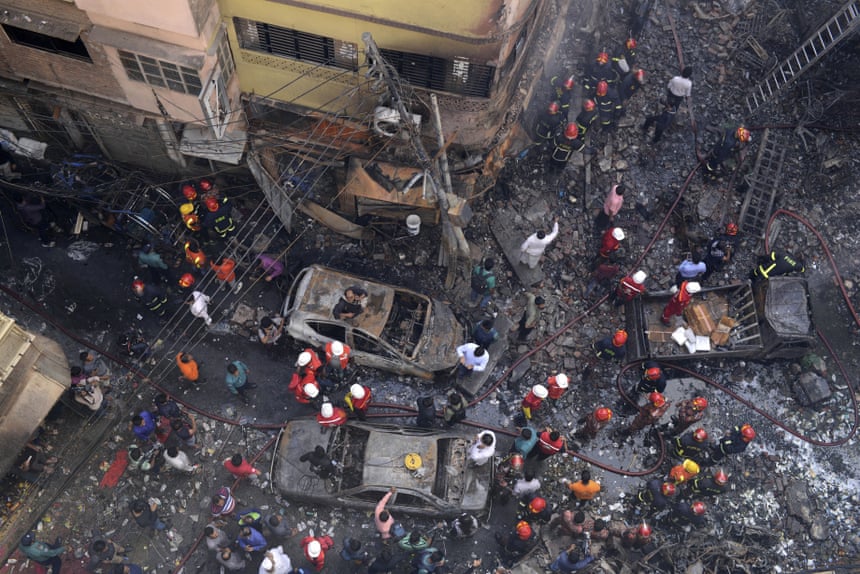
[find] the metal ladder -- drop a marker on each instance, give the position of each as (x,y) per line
(843,23)
(763,182)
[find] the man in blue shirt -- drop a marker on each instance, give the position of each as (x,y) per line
(143,425)
(570,560)
(528,438)
(41,553)
(250,540)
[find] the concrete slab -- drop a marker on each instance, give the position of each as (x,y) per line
(470,386)
(510,239)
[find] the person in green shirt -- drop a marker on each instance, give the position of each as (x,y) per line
(483,282)
(42,553)
(237,379)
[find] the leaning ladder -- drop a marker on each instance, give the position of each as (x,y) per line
(843,23)
(763,181)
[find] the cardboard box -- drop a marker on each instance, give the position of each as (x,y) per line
(720,336)
(699,318)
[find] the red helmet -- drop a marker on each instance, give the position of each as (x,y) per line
(630,44)
(524,531)
(588,105)
(721,478)
(571,131)
(653,373)
(657,399)
(700,403)
(602,414)
(639,75)
(698,508)
(743,134)
(516,461)
(619,338)
(205,184)
(553,108)
(644,530)
(700,435)
(732,229)
(211,204)
(568,83)
(537,504)
(747,432)
(189,191)
(187,280)
(602,58)
(602,88)
(137,285)
(668,489)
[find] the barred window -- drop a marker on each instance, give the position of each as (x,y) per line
(459,76)
(46,43)
(160,74)
(296,45)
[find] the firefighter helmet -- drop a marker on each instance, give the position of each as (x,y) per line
(537,504)
(644,530)
(640,277)
(691,466)
(357,391)
(731,229)
(700,403)
(602,88)
(602,58)
(747,432)
(668,489)
(314,548)
(561,381)
(571,131)
(588,105)
(698,508)
(137,285)
(304,359)
(568,83)
(619,338)
(189,191)
(630,44)
(187,280)
(311,390)
(186,209)
(336,348)
(653,373)
(700,435)
(743,134)
(657,399)
(603,414)
(553,108)
(205,184)
(721,478)
(516,461)
(540,391)
(211,204)
(524,531)
(639,75)
(326,410)
(618,234)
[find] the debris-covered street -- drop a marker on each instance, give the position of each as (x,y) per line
(773,366)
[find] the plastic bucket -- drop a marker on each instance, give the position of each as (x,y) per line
(413,224)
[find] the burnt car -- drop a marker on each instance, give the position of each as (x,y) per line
(429,468)
(399,330)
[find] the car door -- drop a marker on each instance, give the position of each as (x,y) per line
(372,352)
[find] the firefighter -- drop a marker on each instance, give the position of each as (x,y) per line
(609,105)
(308,362)
(550,442)
(684,513)
(612,347)
(610,242)
(562,92)
(189,216)
(564,144)
(533,400)
(188,191)
(720,250)
(585,119)
(636,537)
(516,544)
(653,379)
(151,295)
(549,122)
(218,217)
(600,70)
(631,83)
(691,445)
(331,416)
(186,281)
(630,287)
(534,509)
(656,494)
(306,389)
(689,411)
(649,413)
(336,360)
(358,400)
(594,421)
(733,443)
(731,141)
(776,264)
(681,473)
(709,485)
(679,301)
(509,469)
(557,385)
(626,59)
(194,254)
(207,188)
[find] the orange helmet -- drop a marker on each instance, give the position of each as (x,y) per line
(524,531)
(602,414)
(732,229)
(211,204)
(602,88)
(668,489)
(537,504)
(653,373)
(602,58)
(205,184)
(619,338)
(137,285)
(721,478)
(639,75)
(657,399)
(644,530)
(698,508)
(189,191)
(516,461)
(553,108)
(571,131)
(588,105)
(747,432)
(700,435)
(187,280)
(630,44)
(743,134)
(568,83)
(700,403)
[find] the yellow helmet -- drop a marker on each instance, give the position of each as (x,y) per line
(186,208)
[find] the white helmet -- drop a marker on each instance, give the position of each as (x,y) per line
(561,380)
(357,391)
(327,410)
(618,233)
(304,359)
(640,276)
(540,391)
(267,564)
(311,390)
(336,348)
(314,548)
(693,288)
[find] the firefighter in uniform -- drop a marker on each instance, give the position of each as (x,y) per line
(152,296)
(689,411)
(194,254)
(631,83)
(533,400)
(609,348)
(509,469)
(218,217)
(596,420)
(562,92)
(630,287)
(549,122)
(656,494)
(189,216)
(650,412)
(586,117)
(680,300)
(776,264)
(684,472)
(557,385)
(636,537)
(720,250)
(610,242)
(731,141)
(709,485)
(564,144)
(691,445)
(684,513)
(623,62)
(609,106)
(358,400)
(601,70)
(733,443)
(653,379)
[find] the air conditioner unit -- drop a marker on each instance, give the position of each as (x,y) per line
(388,122)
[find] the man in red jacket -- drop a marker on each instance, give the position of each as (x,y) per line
(680,300)
(550,442)
(358,400)
(315,549)
(331,416)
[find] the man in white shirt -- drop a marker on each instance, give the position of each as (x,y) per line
(679,87)
(533,247)
(473,358)
(484,448)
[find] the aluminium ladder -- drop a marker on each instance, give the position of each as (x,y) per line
(763,182)
(842,24)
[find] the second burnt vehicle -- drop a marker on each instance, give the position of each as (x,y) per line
(429,467)
(766,320)
(399,330)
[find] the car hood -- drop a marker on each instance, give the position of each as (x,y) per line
(442,334)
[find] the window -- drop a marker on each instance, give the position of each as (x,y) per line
(289,43)
(404,499)
(329,330)
(159,73)
(50,44)
(225,58)
(458,76)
